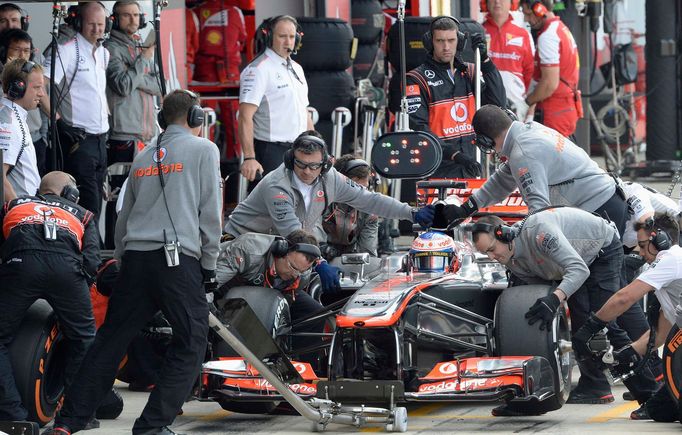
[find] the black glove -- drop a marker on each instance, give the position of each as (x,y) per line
(627,359)
(456,212)
(467,162)
(478,40)
(544,310)
(68,134)
(210,280)
(581,339)
(329,277)
(424,216)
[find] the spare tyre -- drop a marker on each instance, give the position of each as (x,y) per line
(326,44)
(328,90)
(366,61)
(515,337)
(38,356)
(367,20)
(415,27)
(672,363)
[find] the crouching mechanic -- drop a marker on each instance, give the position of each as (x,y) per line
(658,244)
(349,230)
(283,264)
(296,194)
(50,250)
(583,254)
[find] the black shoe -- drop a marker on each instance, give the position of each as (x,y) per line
(57,430)
(628,396)
(640,413)
(92,424)
(591,398)
(144,388)
(160,431)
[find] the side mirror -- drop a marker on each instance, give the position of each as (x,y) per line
(360,258)
(406,154)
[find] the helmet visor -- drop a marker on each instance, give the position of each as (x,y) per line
(430,261)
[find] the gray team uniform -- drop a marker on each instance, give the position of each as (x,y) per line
(277,206)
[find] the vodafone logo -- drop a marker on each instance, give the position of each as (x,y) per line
(300,368)
(459,112)
(160,155)
(43,210)
(448,368)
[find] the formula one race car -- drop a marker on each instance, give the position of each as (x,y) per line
(438,323)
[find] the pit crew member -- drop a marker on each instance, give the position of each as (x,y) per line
(349,230)
(296,194)
(49,250)
(440,94)
(657,239)
(644,202)
(583,254)
(167,238)
(547,168)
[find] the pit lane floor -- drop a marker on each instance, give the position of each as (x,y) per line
(209,418)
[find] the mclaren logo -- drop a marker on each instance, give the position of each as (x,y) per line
(459,112)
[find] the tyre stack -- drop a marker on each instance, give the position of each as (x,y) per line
(367,20)
(325,56)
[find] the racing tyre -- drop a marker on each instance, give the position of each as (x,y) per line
(326,44)
(672,363)
(328,90)
(365,59)
(367,20)
(38,357)
(514,336)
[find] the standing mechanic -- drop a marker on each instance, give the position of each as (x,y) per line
(273,99)
(440,95)
(657,239)
(50,250)
(80,76)
(547,168)
(167,239)
(349,230)
(583,254)
(296,194)
(557,65)
(511,50)
(23,85)
(283,264)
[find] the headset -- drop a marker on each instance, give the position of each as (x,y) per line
(352,164)
(195,114)
(427,38)
(538,8)
(281,247)
(486,143)
(114,16)
(657,236)
(503,233)
(268,27)
(17,87)
(25,18)
(289,154)
(75,19)
(71,193)
(484,5)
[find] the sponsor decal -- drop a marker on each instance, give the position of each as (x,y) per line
(436,83)
(459,112)
(448,368)
(547,242)
(159,155)
(429,74)
(515,41)
(412,90)
(463,128)
(153,170)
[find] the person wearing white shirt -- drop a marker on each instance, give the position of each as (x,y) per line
(273,100)
(80,73)
(643,202)
(23,85)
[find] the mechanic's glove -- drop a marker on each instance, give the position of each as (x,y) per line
(210,280)
(459,213)
(478,41)
(329,277)
(587,333)
(69,133)
(424,216)
(470,164)
(544,310)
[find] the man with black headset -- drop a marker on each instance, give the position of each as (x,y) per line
(167,237)
(582,254)
(80,78)
(23,85)
(50,250)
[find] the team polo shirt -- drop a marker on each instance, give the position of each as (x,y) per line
(17,148)
(556,47)
(85,100)
(642,201)
(280,91)
(665,275)
(512,52)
